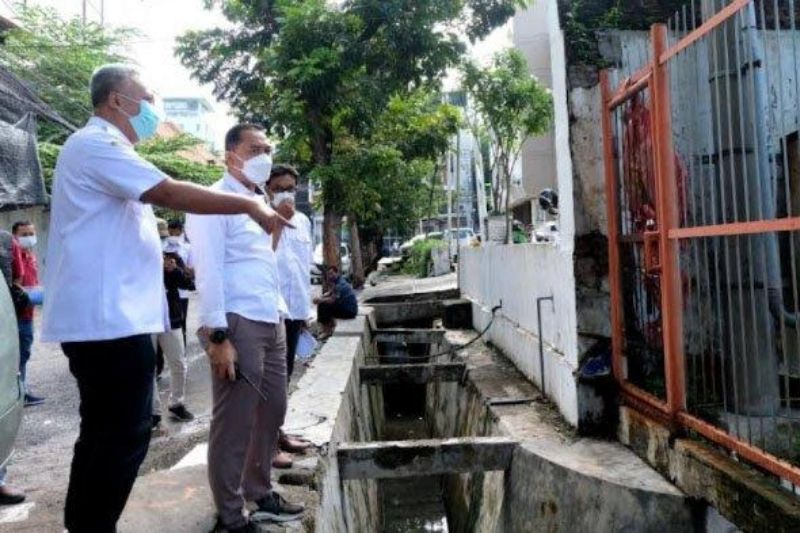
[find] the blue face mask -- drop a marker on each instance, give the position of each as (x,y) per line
(146,122)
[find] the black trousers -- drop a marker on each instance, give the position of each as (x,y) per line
(115,382)
(326,312)
(293,330)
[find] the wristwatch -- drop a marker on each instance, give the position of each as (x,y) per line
(218,336)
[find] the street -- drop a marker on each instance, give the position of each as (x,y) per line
(41,462)
(40,465)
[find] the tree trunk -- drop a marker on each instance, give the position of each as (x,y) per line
(496,191)
(509,238)
(321,141)
(356,257)
(331,230)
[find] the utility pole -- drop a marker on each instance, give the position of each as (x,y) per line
(83,11)
(458,191)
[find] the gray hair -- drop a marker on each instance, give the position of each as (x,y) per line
(107,79)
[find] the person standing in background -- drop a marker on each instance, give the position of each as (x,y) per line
(28,277)
(171,341)
(163,230)
(294,251)
(176,243)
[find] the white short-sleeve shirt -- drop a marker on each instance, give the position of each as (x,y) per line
(104,275)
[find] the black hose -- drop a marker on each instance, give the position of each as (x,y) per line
(453,349)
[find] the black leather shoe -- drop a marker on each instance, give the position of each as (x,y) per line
(10,497)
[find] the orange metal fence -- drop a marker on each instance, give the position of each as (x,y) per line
(702,162)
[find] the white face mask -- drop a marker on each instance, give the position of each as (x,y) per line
(281,197)
(28,241)
(257,169)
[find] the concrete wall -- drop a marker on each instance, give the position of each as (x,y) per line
(330,407)
(556,482)
(517,275)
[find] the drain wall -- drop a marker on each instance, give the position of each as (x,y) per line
(474,501)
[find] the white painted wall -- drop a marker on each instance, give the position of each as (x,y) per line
(519,274)
(531,36)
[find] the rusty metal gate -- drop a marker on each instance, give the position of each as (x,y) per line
(702,163)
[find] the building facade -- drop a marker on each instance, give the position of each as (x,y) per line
(195,116)
(537,166)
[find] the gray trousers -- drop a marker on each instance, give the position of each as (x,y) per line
(174,351)
(244,427)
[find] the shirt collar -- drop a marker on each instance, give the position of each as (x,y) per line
(234,185)
(103,124)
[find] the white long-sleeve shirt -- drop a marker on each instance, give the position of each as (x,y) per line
(236,270)
(295,250)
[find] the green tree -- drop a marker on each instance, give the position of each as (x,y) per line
(165,153)
(56,58)
(385,176)
(511,106)
(311,70)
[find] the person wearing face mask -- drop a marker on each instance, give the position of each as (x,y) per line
(105,285)
(176,243)
(25,234)
(241,318)
(295,251)
(163,232)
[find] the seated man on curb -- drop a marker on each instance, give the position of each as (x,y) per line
(339,302)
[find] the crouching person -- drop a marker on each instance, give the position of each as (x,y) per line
(339,302)
(241,311)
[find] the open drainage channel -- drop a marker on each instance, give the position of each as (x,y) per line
(416,459)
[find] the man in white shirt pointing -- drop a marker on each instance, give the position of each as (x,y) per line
(105,287)
(241,316)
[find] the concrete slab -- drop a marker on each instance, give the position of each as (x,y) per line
(352,327)
(429,457)
(398,313)
(412,288)
(314,406)
(418,374)
(179,501)
(411,335)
